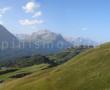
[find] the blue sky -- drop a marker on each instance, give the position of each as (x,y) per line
(84,18)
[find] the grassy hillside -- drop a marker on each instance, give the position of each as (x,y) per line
(87,71)
(31,69)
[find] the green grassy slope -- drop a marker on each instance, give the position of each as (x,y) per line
(31,69)
(87,71)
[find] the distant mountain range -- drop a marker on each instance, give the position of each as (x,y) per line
(81,41)
(49,37)
(41,42)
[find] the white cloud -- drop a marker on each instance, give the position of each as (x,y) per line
(4,10)
(37,14)
(31,7)
(27,22)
